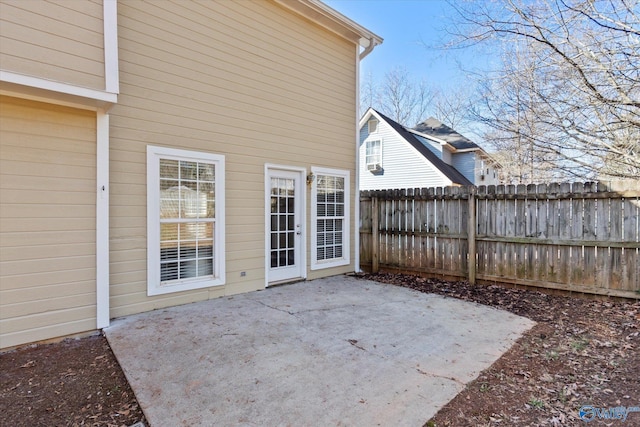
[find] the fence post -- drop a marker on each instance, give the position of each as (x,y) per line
(471,235)
(375,239)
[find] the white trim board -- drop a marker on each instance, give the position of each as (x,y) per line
(102,220)
(43,90)
(110,19)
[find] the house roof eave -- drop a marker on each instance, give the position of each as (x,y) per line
(367,115)
(446,170)
(334,21)
(467,150)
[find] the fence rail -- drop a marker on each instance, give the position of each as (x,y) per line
(582,237)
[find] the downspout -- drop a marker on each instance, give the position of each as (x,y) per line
(361,56)
(356,206)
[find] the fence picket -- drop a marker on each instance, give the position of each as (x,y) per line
(542,217)
(582,237)
(520,261)
(576,261)
(631,257)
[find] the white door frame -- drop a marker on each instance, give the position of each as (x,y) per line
(302,208)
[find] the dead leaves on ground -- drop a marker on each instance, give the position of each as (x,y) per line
(581,352)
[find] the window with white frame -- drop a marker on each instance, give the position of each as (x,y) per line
(185,220)
(330,218)
(373,155)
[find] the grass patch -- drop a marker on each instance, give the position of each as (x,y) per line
(535,403)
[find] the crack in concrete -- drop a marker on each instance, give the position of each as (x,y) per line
(432,375)
(293,313)
(335,307)
(355,344)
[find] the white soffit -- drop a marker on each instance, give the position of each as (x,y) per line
(334,21)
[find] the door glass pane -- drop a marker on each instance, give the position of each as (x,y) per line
(282,222)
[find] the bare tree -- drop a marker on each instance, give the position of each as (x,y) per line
(452,107)
(369,93)
(513,122)
(578,91)
(402,98)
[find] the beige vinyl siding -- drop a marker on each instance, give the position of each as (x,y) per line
(47,221)
(55,40)
(249,80)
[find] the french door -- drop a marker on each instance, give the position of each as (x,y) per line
(285,227)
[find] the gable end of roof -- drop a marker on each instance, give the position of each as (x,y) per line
(447,170)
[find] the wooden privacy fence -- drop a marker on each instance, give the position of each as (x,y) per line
(582,237)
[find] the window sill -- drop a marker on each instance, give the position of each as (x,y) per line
(330,263)
(184,285)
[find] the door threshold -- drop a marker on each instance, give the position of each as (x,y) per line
(286,282)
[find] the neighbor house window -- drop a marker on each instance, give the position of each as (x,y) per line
(330,218)
(373,126)
(373,155)
(185,220)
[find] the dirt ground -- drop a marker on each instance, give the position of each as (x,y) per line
(77,382)
(581,352)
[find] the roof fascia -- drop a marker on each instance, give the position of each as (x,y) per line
(367,115)
(414,149)
(468,150)
(334,21)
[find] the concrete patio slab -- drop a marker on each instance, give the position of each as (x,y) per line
(338,351)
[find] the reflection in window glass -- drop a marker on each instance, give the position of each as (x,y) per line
(330,213)
(187,217)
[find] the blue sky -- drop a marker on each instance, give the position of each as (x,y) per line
(406,27)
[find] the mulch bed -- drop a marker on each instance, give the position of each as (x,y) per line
(581,352)
(77,382)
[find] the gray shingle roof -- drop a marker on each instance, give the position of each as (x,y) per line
(435,128)
(448,170)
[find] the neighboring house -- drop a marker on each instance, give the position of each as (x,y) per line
(466,156)
(430,155)
(161,153)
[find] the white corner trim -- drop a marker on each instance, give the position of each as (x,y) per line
(110,14)
(102,220)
